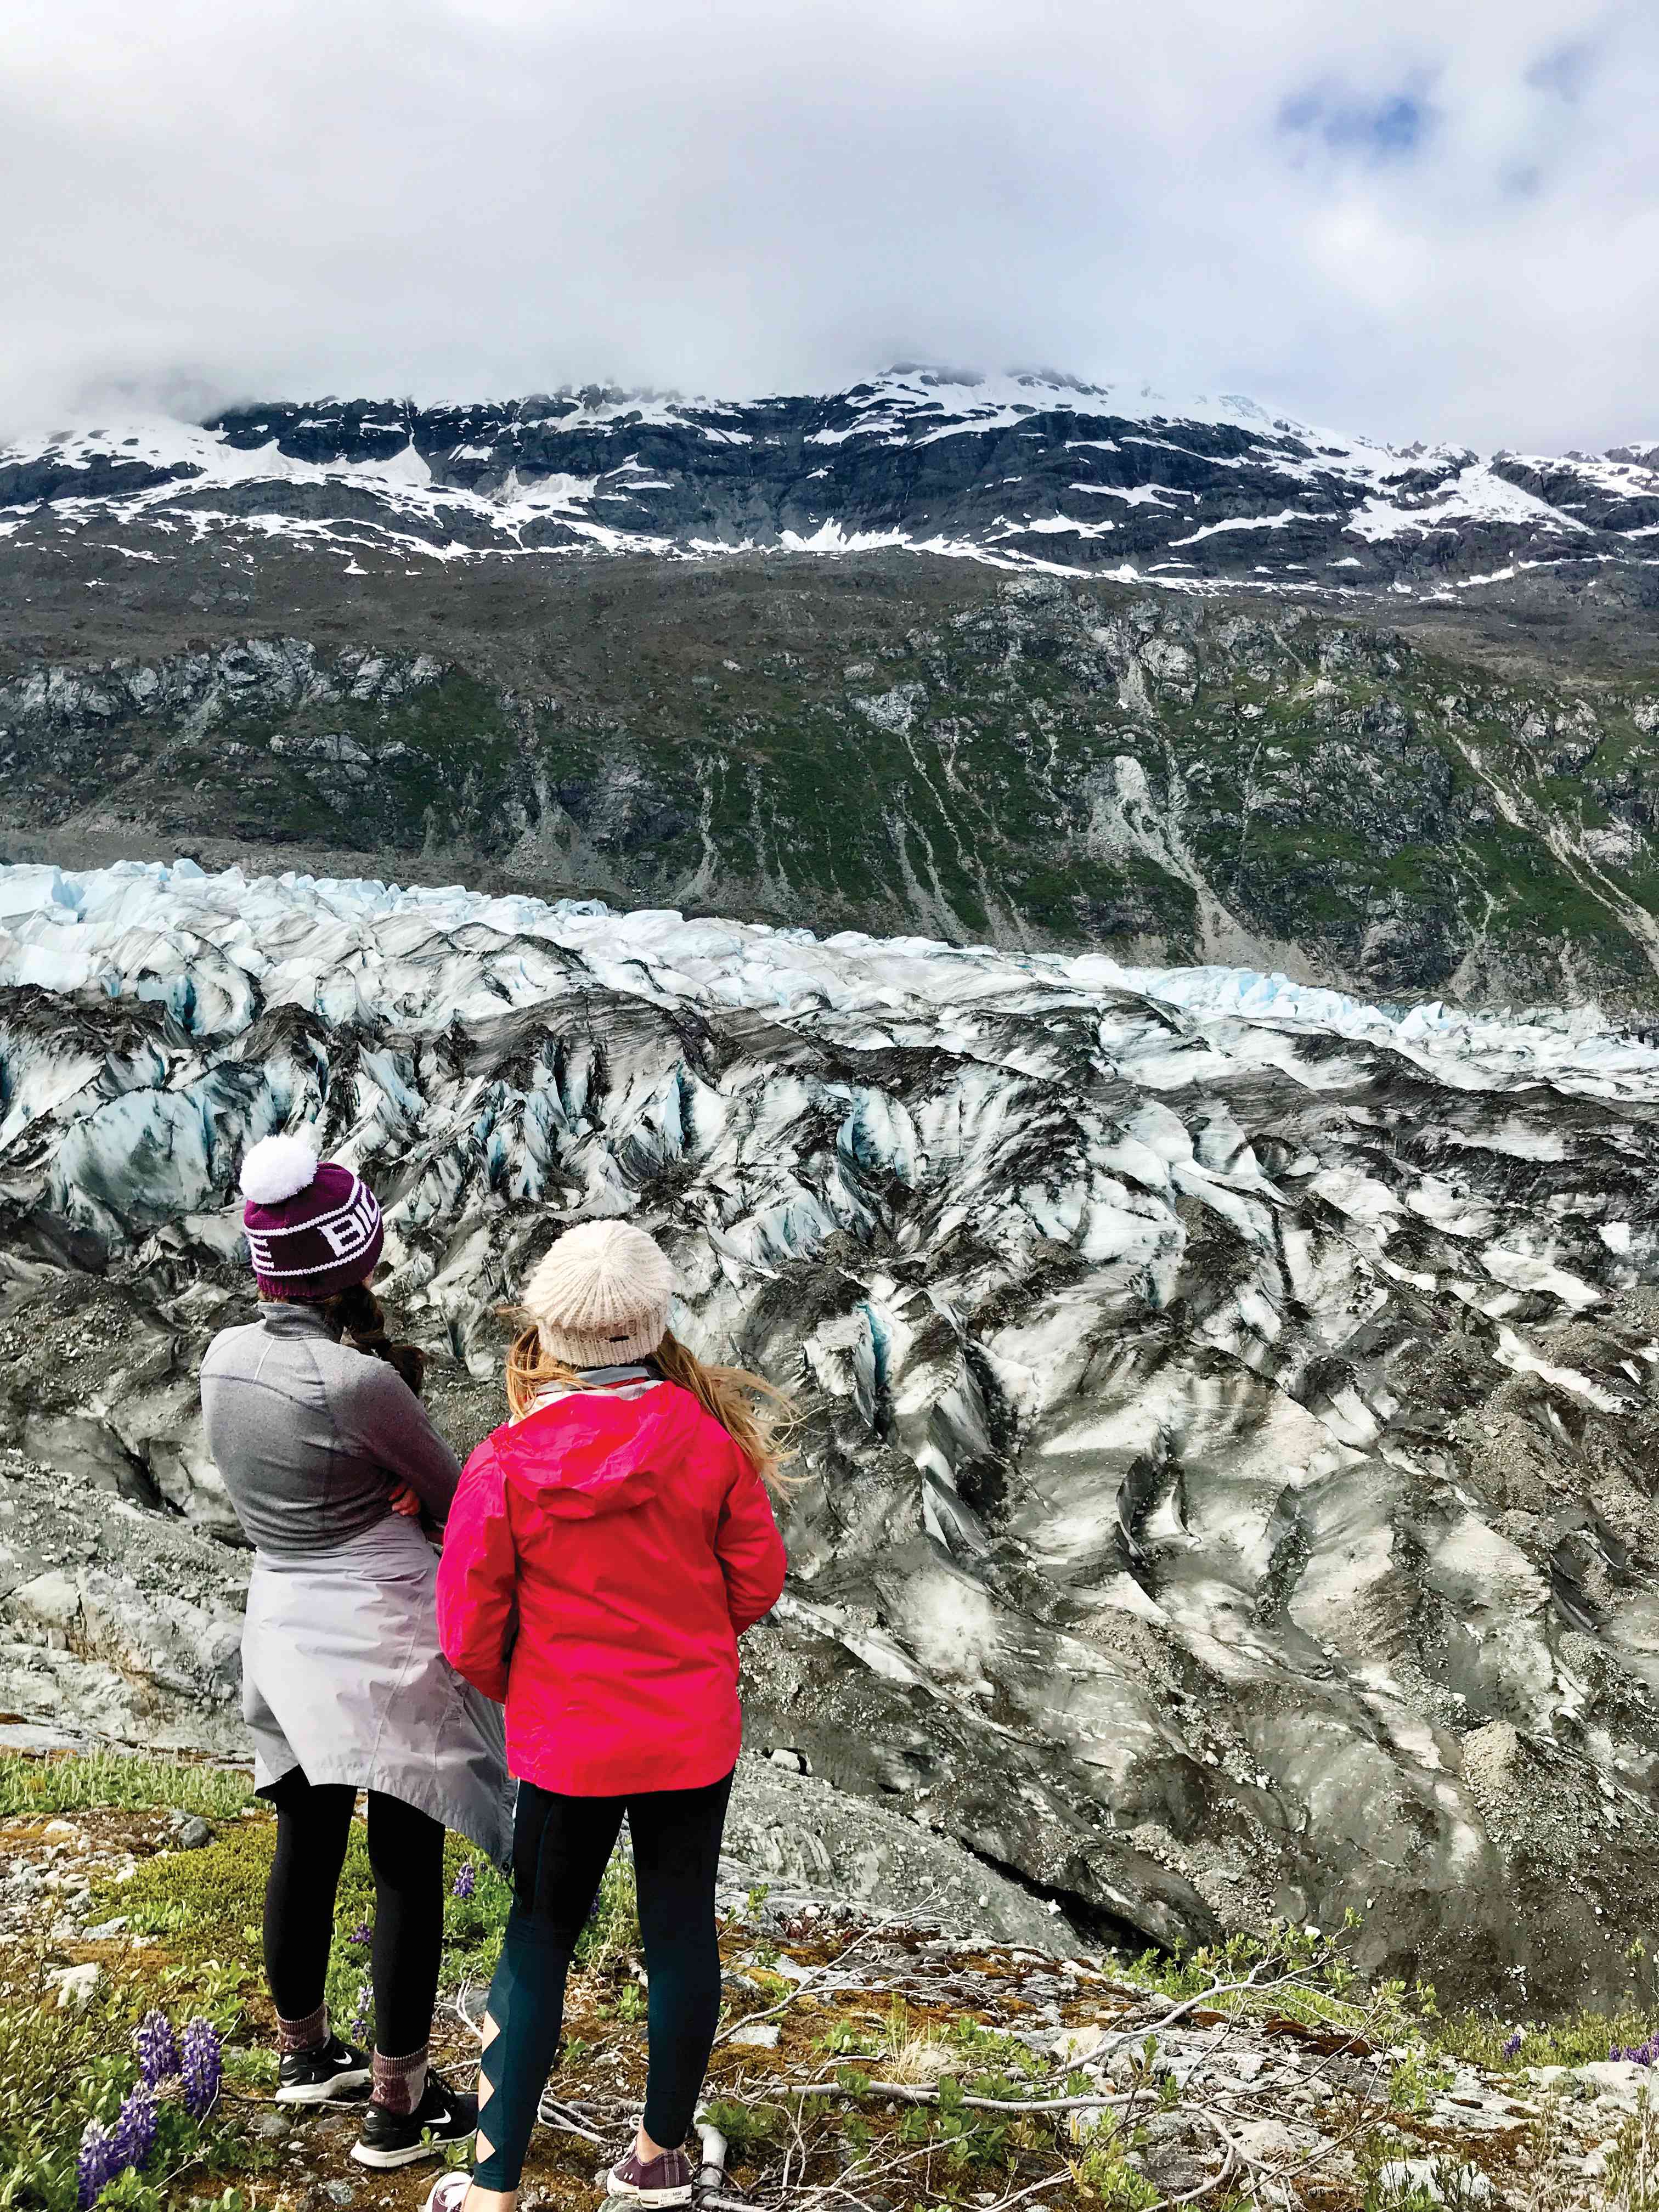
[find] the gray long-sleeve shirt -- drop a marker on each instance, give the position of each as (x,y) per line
(310,1434)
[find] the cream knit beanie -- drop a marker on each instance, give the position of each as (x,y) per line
(600,1296)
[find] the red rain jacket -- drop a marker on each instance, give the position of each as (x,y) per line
(601,1559)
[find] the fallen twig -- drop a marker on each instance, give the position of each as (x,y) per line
(1296,1975)
(553,2114)
(1048,2181)
(474,2027)
(1230,2159)
(909,2093)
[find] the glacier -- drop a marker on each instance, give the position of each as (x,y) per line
(1230,1410)
(168,933)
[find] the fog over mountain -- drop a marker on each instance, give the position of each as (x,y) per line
(1415,222)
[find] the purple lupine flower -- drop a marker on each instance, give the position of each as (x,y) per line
(362,1935)
(135,2126)
(96,2164)
(157,2047)
(201,2064)
(466,1881)
(360,2018)
(1512,2043)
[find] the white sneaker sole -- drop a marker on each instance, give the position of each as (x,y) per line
(324,2093)
(655,2196)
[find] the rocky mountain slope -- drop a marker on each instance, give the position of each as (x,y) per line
(1231,1407)
(875,744)
(1034,469)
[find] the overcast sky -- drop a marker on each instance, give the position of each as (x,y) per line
(1434,218)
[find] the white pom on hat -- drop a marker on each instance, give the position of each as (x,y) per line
(278,1168)
(600,1296)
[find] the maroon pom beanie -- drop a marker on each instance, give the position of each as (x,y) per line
(311,1230)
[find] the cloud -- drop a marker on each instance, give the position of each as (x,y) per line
(1417,221)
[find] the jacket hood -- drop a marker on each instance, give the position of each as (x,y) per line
(591,1454)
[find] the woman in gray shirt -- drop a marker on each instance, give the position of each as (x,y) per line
(331,1459)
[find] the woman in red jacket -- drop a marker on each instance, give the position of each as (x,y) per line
(606,1548)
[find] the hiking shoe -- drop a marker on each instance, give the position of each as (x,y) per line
(438,2123)
(447,2193)
(334,2068)
(665,2180)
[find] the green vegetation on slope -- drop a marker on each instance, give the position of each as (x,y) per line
(875,745)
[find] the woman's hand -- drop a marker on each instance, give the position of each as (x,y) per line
(404,1501)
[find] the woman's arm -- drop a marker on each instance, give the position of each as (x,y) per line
(378,1415)
(477,1578)
(749,1548)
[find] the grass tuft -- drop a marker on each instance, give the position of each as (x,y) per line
(82,1782)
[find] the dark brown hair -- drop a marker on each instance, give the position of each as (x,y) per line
(361,1315)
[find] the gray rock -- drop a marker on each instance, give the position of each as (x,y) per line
(1442,2180)
(802,1834)
(75,1985)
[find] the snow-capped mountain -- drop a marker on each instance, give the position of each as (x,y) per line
(1028,471)
(1232,1419)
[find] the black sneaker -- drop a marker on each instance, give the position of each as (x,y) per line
(334,2068)
(438,2122)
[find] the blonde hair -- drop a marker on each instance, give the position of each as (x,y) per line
(760,1418)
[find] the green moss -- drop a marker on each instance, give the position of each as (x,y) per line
(442,756)
(1583,2038)
(1317,769)
(1534,895)
(75,1783)
(206,1902)
(206,1906)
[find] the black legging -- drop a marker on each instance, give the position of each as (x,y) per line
(559,1848)
(406,1851)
